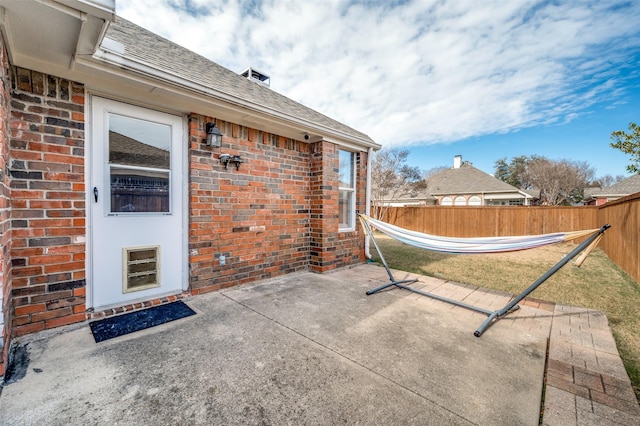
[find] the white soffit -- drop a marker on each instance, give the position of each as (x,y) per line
(45,33)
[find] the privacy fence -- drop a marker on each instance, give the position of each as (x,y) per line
(620,242)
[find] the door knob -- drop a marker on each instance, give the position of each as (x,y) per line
(95,193)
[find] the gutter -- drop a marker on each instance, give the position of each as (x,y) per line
(367,208)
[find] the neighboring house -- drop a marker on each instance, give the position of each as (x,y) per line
(465,185)
(111,198)
(600,196)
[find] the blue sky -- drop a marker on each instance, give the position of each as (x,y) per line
(482,79)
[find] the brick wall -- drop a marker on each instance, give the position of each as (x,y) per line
(5,213)
(331,249)
(324,210)
(276,214)
(257,217)
(48,201)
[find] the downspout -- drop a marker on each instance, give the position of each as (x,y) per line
(367,207)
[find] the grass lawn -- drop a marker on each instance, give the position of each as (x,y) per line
(598,283)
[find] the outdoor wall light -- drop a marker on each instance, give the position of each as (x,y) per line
(234,159)
(214,135)
(224,159)
(237,161)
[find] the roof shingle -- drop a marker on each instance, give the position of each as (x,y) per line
(466,179)
(153,50)
(628,186)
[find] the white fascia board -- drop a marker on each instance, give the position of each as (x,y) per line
(104,9)
(504,195)
(611,195)
(152,72)
(347,145)
(525,195)
(6,34)
(494,193)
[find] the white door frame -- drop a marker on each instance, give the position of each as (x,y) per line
(89,210)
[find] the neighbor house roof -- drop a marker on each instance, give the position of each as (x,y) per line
(464,179)
(467,179)
(144,47)
(625,187)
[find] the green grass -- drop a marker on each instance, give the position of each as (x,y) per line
(598,284)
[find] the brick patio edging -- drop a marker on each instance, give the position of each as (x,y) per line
(586,382)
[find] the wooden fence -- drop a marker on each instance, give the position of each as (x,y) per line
(489,221)
(620,242)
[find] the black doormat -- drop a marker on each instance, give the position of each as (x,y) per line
(120,325)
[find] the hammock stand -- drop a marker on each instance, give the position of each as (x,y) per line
(492,315)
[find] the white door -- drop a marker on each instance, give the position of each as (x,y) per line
(136,200)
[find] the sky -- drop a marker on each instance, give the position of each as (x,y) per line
(482,79)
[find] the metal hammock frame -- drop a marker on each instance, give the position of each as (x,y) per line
(492,316)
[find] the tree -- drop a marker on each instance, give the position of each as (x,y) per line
(629,143)
(427,174)
(560,182)
(391,178)
(607,180)
(512,172)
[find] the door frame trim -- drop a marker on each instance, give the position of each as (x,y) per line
(89,210)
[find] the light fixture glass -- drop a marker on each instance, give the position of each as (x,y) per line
(214,135)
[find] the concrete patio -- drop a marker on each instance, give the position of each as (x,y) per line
(314,349)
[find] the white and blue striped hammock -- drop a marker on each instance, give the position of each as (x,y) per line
(476,245)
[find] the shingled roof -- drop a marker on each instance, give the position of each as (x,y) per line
(148,48)
(466,179)
(625,187)
(128,151)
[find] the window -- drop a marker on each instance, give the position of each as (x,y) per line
(139,165)
(460,201)
(347,191)
(474,200)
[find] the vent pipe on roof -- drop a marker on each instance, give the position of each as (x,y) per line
(257,76)
(457,161)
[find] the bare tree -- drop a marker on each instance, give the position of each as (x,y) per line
(560,182)
(607,180)
(434,171)
(391,178)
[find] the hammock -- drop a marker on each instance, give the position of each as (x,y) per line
(472,245)
(479,245)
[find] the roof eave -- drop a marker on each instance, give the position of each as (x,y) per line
(483,192)
(118,64)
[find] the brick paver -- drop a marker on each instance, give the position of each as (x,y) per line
(586,380)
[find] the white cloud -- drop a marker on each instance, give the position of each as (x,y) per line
(417,71)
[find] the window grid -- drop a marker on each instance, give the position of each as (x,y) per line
(347,191)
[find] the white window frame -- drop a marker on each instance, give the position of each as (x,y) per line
(460,200)
(351,220)
(474,200)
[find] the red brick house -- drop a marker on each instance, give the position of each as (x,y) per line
(601,196)
(112,199)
